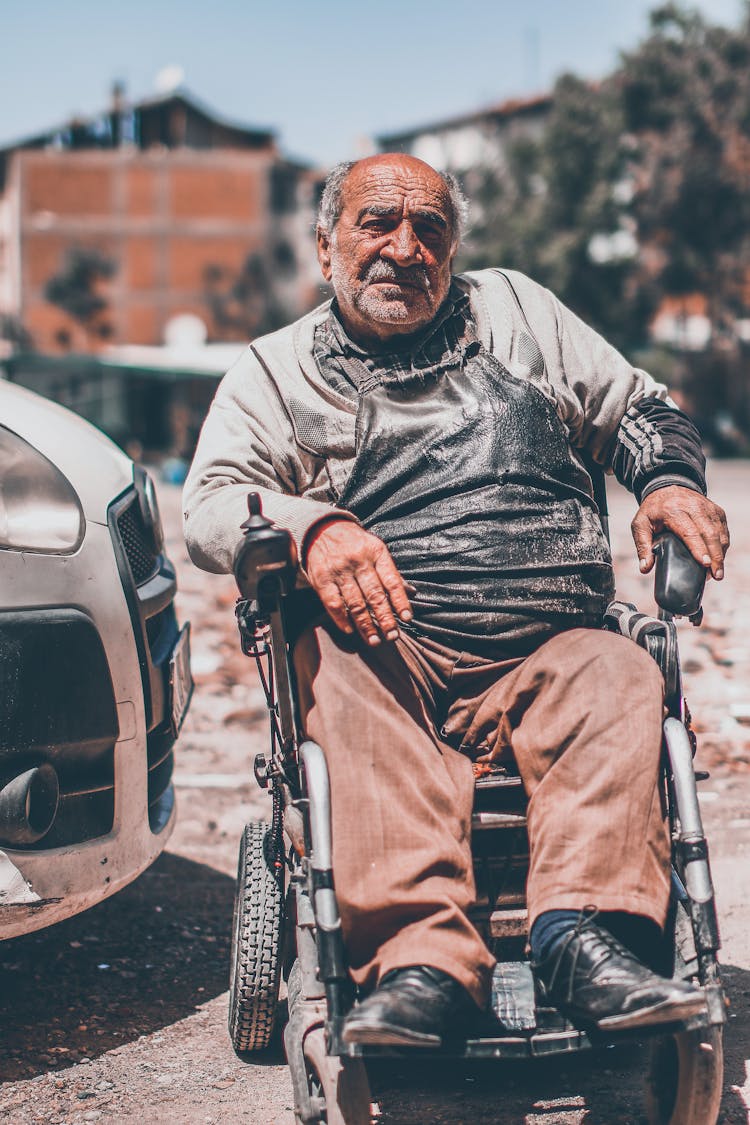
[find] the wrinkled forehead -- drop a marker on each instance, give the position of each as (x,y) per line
(395,187)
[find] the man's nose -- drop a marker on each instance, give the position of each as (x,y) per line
(403,247)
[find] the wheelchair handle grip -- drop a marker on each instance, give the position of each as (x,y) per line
(265,562)
(679,579)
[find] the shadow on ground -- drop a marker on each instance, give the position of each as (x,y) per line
(603,1087)
(140,961)
(152,954)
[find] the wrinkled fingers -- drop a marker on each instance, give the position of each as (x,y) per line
(378,604)
(704,531)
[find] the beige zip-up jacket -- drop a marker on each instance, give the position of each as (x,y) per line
(277,428)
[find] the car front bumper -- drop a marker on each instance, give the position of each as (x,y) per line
(108,689)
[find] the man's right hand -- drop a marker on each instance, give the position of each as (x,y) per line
(356,579)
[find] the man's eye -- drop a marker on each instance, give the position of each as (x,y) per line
(428,234)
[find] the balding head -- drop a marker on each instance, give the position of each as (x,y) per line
(389,253)
(330,206)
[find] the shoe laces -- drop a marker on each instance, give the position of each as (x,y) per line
(586,918)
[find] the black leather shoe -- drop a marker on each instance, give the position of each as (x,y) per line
(596,982)
(416,1006)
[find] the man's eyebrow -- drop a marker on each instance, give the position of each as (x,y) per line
(378,210)
(384,211)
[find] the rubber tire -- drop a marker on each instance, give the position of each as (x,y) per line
(341,1082)
(686,1078)
(257,932)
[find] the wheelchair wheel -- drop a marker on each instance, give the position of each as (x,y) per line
(685,1082)
(338,1086)
(257,926)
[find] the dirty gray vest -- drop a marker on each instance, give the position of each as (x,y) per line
(468,476)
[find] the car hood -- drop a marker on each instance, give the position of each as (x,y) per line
(98,470)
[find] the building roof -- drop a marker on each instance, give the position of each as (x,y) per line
(502,111)
(144,123)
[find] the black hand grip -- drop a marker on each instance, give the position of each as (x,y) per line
(265,562)
(679,579)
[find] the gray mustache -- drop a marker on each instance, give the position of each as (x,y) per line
(408,275)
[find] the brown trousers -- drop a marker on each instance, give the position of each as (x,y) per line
(399,725)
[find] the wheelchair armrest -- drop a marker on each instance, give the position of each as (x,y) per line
(265,562)
(679,579)
(625,618)
(658,638)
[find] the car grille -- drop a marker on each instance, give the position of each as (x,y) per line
(149,584)
(138,544)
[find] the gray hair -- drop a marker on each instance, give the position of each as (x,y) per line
(331,205)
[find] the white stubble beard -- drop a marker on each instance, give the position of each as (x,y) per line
(368,300)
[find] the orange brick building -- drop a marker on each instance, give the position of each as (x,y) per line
(111,228)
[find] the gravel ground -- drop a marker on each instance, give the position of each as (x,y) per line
(120,1014)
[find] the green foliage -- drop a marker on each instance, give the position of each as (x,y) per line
(244,304)
(686,99)
(12,330)
(659,153)
(540,212)
(74,289)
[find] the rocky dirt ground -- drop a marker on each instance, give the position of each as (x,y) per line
(119,1015)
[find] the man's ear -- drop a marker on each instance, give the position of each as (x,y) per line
(324,253)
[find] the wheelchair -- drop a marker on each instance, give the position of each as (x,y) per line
(286,921)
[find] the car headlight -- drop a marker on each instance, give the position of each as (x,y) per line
(39,508)
(149,507)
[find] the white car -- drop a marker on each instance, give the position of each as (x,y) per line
(94,670)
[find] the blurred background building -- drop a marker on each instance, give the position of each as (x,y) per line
(111,227)
(136,246)
(471,144)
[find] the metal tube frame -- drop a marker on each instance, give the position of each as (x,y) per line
(317,909)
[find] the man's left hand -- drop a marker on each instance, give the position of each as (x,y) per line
(699,523)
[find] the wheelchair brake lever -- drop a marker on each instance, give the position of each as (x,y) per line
(679,580)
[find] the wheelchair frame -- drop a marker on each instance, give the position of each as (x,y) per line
(329,1078)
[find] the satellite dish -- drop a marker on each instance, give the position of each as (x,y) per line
(169,78)
(186,330)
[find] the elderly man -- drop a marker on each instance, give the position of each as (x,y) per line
(424,437)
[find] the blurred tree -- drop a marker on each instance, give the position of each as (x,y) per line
(639,190)
(75,289)
(554,210)
(686,103)
(243,305)
(686,106)
(12,331)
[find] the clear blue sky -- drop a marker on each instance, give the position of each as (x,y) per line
(324,73)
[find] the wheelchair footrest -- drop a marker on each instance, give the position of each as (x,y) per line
(513,995)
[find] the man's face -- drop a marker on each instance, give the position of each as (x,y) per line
(389,258)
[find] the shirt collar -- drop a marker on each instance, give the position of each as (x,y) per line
(446,342)
(455,304)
